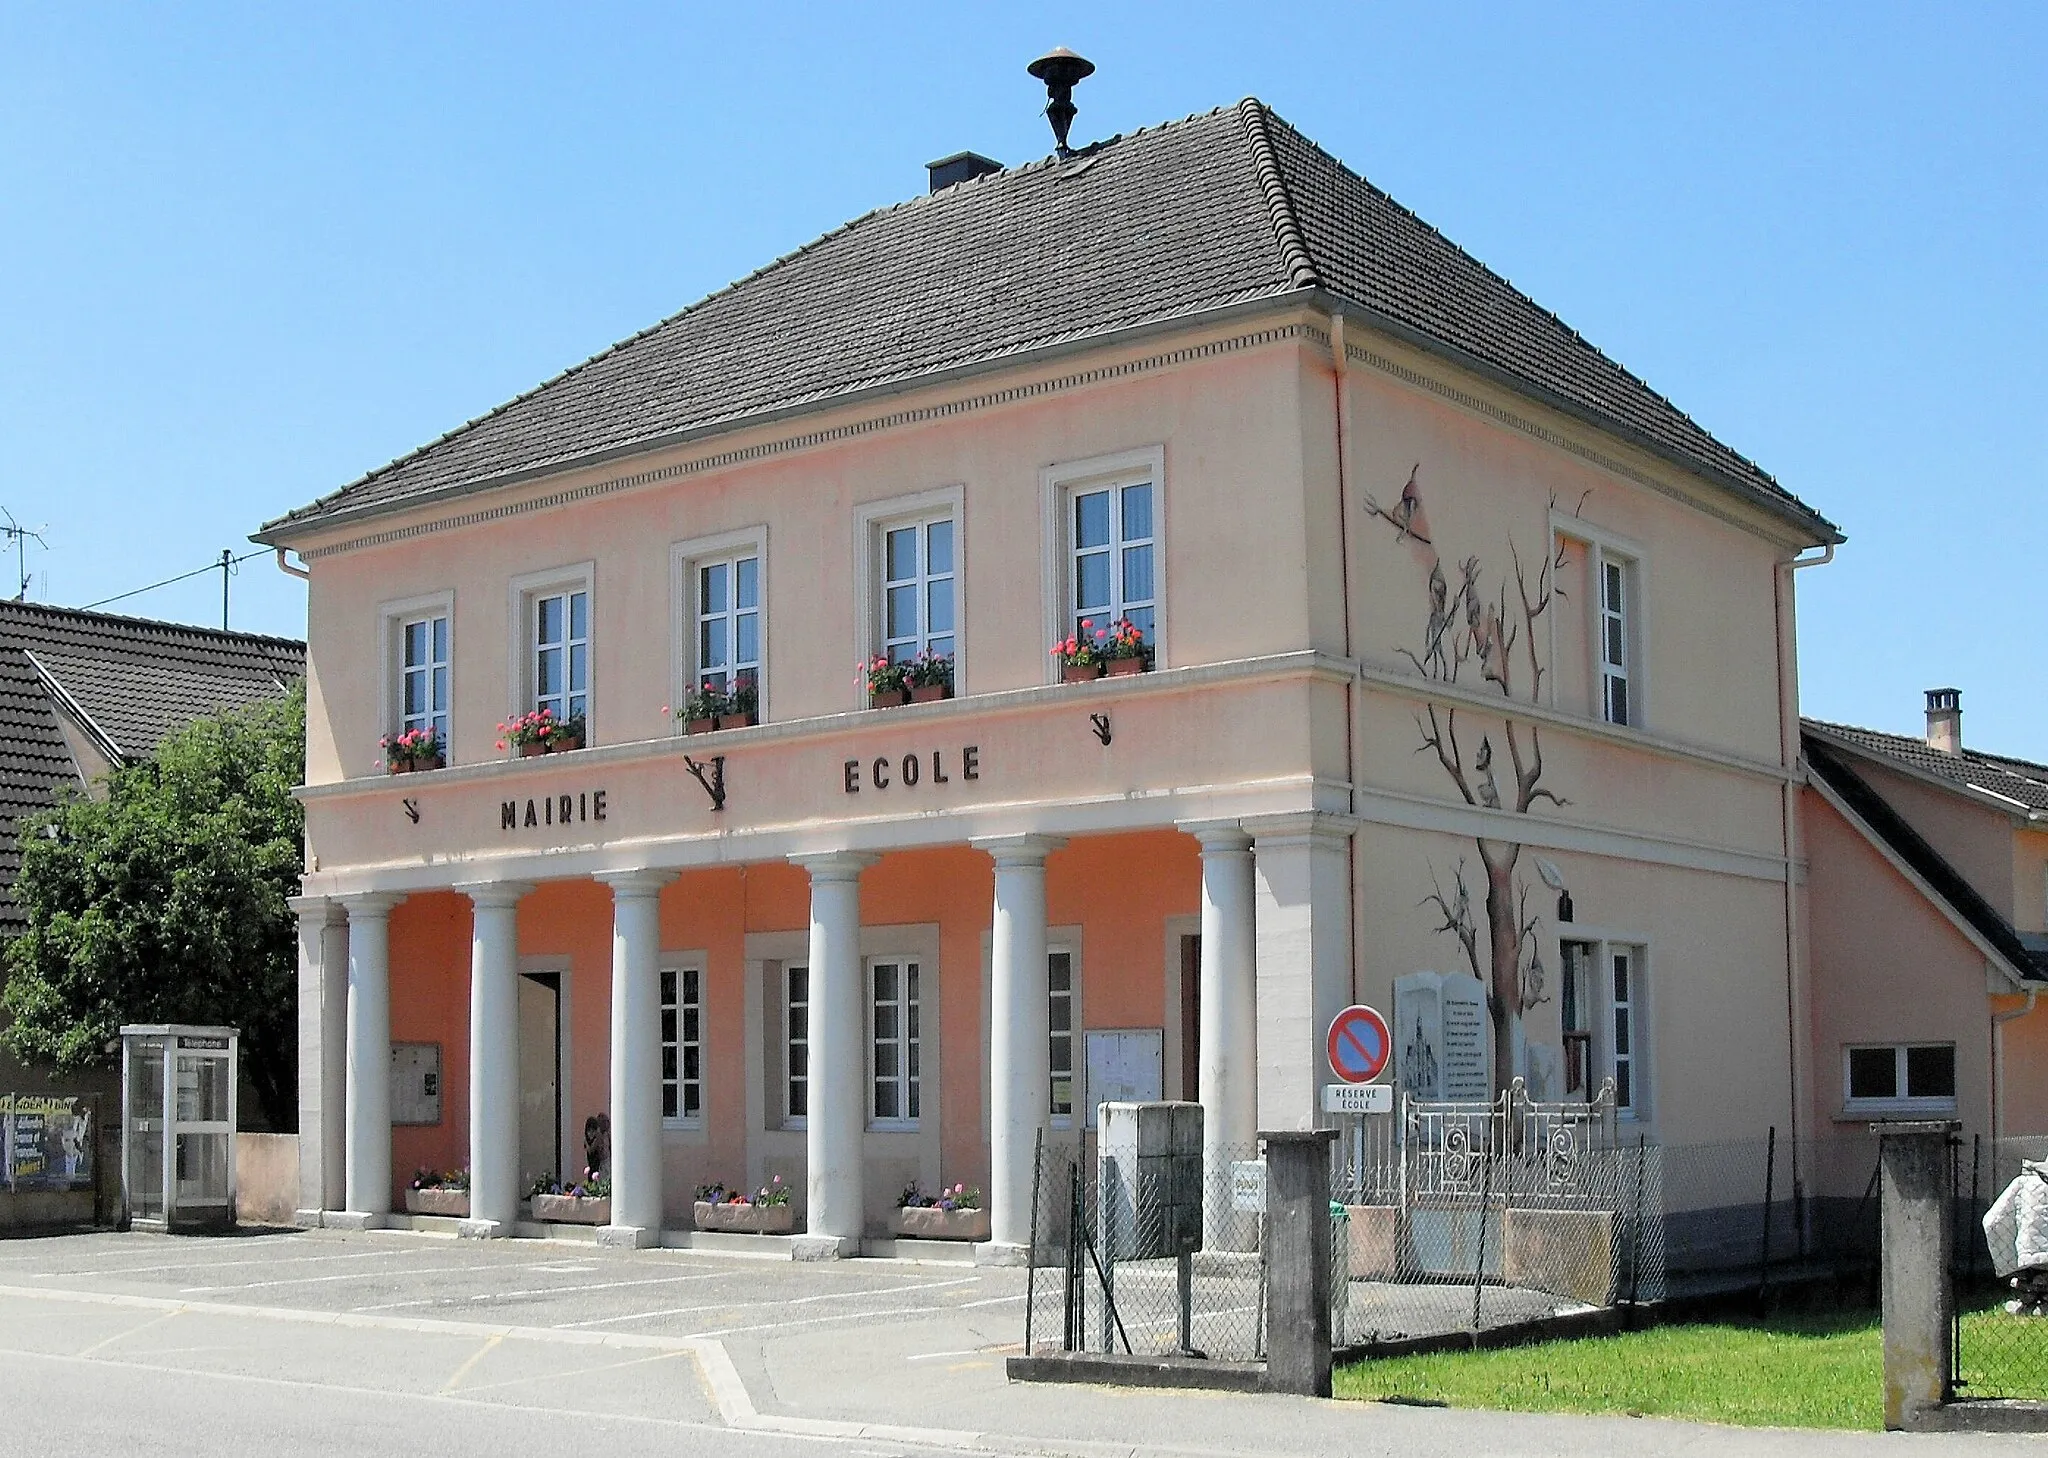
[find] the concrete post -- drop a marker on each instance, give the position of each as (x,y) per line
(493,1059)
(367,1153)
(1302,931)
(323,1044)
(1229,1063)
(636,1059)
(1298,1261)
(1020,1047)
(835,1216)
(1918,1300)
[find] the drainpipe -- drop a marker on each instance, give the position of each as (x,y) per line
(1998,1022)
(1340,377)
(284,566)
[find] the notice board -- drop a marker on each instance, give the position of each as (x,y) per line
(1125,1066)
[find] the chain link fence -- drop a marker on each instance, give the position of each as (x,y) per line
(2001,1331)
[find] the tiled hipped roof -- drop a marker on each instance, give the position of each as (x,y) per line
(125,683)
(1219,209)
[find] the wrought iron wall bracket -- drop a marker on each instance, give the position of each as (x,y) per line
(1100,723)
(714,782)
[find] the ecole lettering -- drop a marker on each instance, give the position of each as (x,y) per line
(887,772)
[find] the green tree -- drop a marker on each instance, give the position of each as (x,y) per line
(165,901)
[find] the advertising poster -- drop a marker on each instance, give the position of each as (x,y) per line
(48,1142)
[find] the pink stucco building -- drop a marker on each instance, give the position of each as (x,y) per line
(1464,652)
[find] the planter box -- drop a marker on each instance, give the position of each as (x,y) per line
(739,721)
(746,1219)
(1080,673)
(931,1223)
(572,1210)
(1125,667)
(1374,1241)
(888,698)
(532,748)
(699,726)
(565,744)
(1565,1252)
(453,1203)
(931,693)
(414,766)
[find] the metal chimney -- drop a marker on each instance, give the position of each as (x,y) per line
(1060,69)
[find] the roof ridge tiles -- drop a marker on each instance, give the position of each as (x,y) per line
(89,617)
(1294,255)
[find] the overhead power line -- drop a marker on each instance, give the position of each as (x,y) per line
(223,567)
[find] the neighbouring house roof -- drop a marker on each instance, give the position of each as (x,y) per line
(1230,207)
(122,684)
(2021,784)
(1827,762)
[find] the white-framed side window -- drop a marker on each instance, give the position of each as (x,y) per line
(1603,1012)
(554,614)
(1899,1078)
(1063,1026)
(1106,549)
(796,1044)
(721,607)
(682,1043)
(895,1044)
(418,655)
(909,577)
(1616,619)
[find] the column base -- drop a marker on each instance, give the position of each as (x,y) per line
(477,1229)
(354,1220)
(627,1237)
(823,1247)
(1001,1253)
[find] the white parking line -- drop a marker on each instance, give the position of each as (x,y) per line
(794,1301)
(352,1276)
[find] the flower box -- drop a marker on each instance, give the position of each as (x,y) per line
(533,748)
(746,720)
(565,743)
(929,1222)
(930,693)
(1124,667)
(572,1209)
(746,1219)
(888,698)
(700,726)
(1080,672)
(415,765)
(452,1203)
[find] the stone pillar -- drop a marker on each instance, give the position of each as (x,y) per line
(493,1058)
(836,1211)
(367,1153)
(1303,954)
(1020,1046)
(323,1047)
(636,1059)
(1298,1261)
(1229,1067)
(1918,1302)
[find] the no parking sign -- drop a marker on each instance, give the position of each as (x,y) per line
(1359,1044)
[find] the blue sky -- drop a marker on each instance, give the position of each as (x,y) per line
(248,252)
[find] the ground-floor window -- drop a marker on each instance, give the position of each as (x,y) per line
(796,1042)
(682,1043)
(1059,984)
(1890,1077)
(894,1014)
(1600,1006)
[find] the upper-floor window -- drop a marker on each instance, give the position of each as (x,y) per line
(917,589)
(729,622)
(682,1044)
(1112,559)
(553,664)
(1617,638)
(423,675)
(897,1043)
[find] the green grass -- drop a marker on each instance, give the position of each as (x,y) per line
(1808,1370)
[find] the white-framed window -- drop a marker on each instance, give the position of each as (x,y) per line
(1899,1078)
(796,1044)
(1617,637)
(1063,1005)
(895,1041)
(918,577)
(1105,535)
(909,578)
(1601,1009)
(682,1044)
(553,649)
(418,639)
(721,596)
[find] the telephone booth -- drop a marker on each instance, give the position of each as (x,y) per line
(178,1087)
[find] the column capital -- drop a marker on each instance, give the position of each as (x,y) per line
(494,895)
(1019,850)
(317,910)
(635,883)
(369,905)
(834,865)
(1298,828)
(1218,837)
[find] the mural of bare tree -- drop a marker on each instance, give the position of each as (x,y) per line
(1474,633)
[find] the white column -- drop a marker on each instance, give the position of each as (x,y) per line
(367,1155)
(323,1044)
(636,1058)
(1229,1066)
(1302,948)
(837,1120)
(1020,1053)
(493,1058)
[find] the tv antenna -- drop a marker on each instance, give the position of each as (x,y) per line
(21,536)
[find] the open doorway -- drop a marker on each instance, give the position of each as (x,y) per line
(540,1075)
